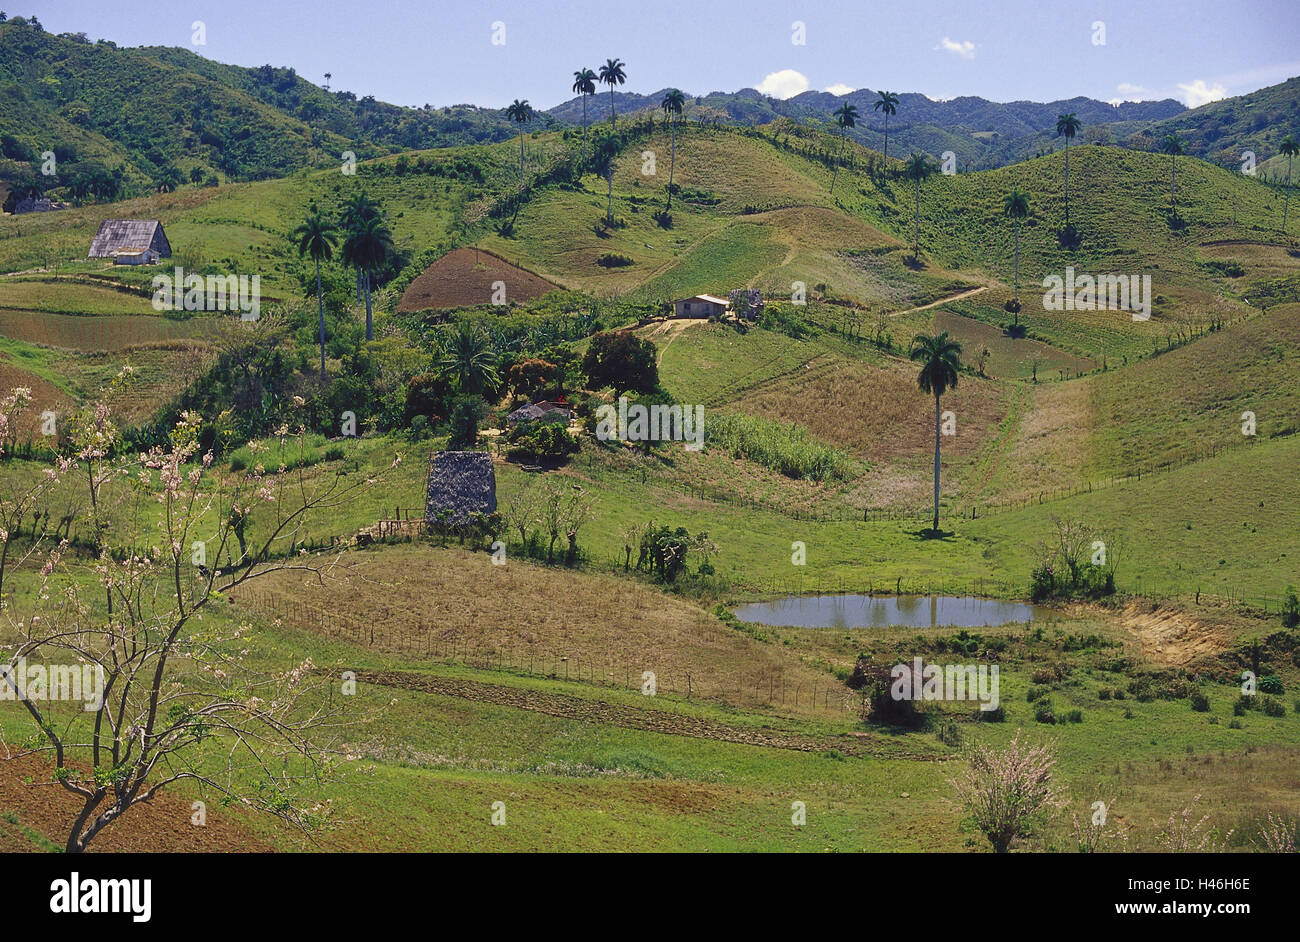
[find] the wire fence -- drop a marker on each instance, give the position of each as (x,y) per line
(426,638)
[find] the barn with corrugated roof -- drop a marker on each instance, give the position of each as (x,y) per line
(130,238)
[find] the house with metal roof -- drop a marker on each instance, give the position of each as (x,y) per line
(132,239)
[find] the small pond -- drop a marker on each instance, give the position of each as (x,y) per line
(886,611)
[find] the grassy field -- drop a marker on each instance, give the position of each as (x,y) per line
(523,683)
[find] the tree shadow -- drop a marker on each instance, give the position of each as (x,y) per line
(929,533)
(914,262)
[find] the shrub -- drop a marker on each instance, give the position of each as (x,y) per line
(614,260)
(1272,707)
(1008,792)
(334,453)
(1043,712)
(1103,694)
(1234,724)
(1200,702)
(1271,683)
(1074,716)
(544,442)
(1042,582)
(996,715)
(1239,708)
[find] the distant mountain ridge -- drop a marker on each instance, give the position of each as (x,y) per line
(130,120)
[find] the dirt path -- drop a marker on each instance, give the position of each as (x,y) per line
(671,329)
(954,297)
(649,720)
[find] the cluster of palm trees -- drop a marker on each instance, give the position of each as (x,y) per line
(846,116)
(367,247)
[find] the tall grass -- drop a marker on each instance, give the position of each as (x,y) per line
(785,448)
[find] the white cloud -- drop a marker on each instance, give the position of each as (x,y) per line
(839,88)
(1198,92)
(965,48)
(784,84)
(1129,92)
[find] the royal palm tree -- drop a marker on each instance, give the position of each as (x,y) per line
(940,360)
(611,74)
(520,112)
(846,116)
(1172,146)
(888,103)
(1067,125)
(584,84)
(1291,149)
(356,210)
(367,248)
(917,169)
(672,105)
(603,152)
(469,361)
(316,237)
(1016,205)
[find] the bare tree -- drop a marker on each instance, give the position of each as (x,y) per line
(167,694)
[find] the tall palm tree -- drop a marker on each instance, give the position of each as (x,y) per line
(846,116)
(367,248)
(520,112)
(357,209)
(316,237)
(584,84)
(672,106)
(1172,146)
(1291,149)
(468,359)
(888,103)
(1067,126)
(604,150)
(1016,205)
(611,74)
(940,360)
(918,169)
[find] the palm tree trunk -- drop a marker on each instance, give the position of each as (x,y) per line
(936,462)
(1287,203)
(1067,180)
(835,171)
(886,138)
(521,158)
(672,163)
(584,128)
(1017,273)
(1173,182)
(917,249)
(370,326)
(613,122)
(320,310)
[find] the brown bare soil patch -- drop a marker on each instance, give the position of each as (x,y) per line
(464,277)
(30,800)
(45,396)
(424,601)
(1168,636)
(876,412)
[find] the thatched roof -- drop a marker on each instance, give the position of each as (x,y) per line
(462,482)
(116,235)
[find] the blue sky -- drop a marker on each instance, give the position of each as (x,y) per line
(410,52)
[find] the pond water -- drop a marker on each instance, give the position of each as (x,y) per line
(886,611)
